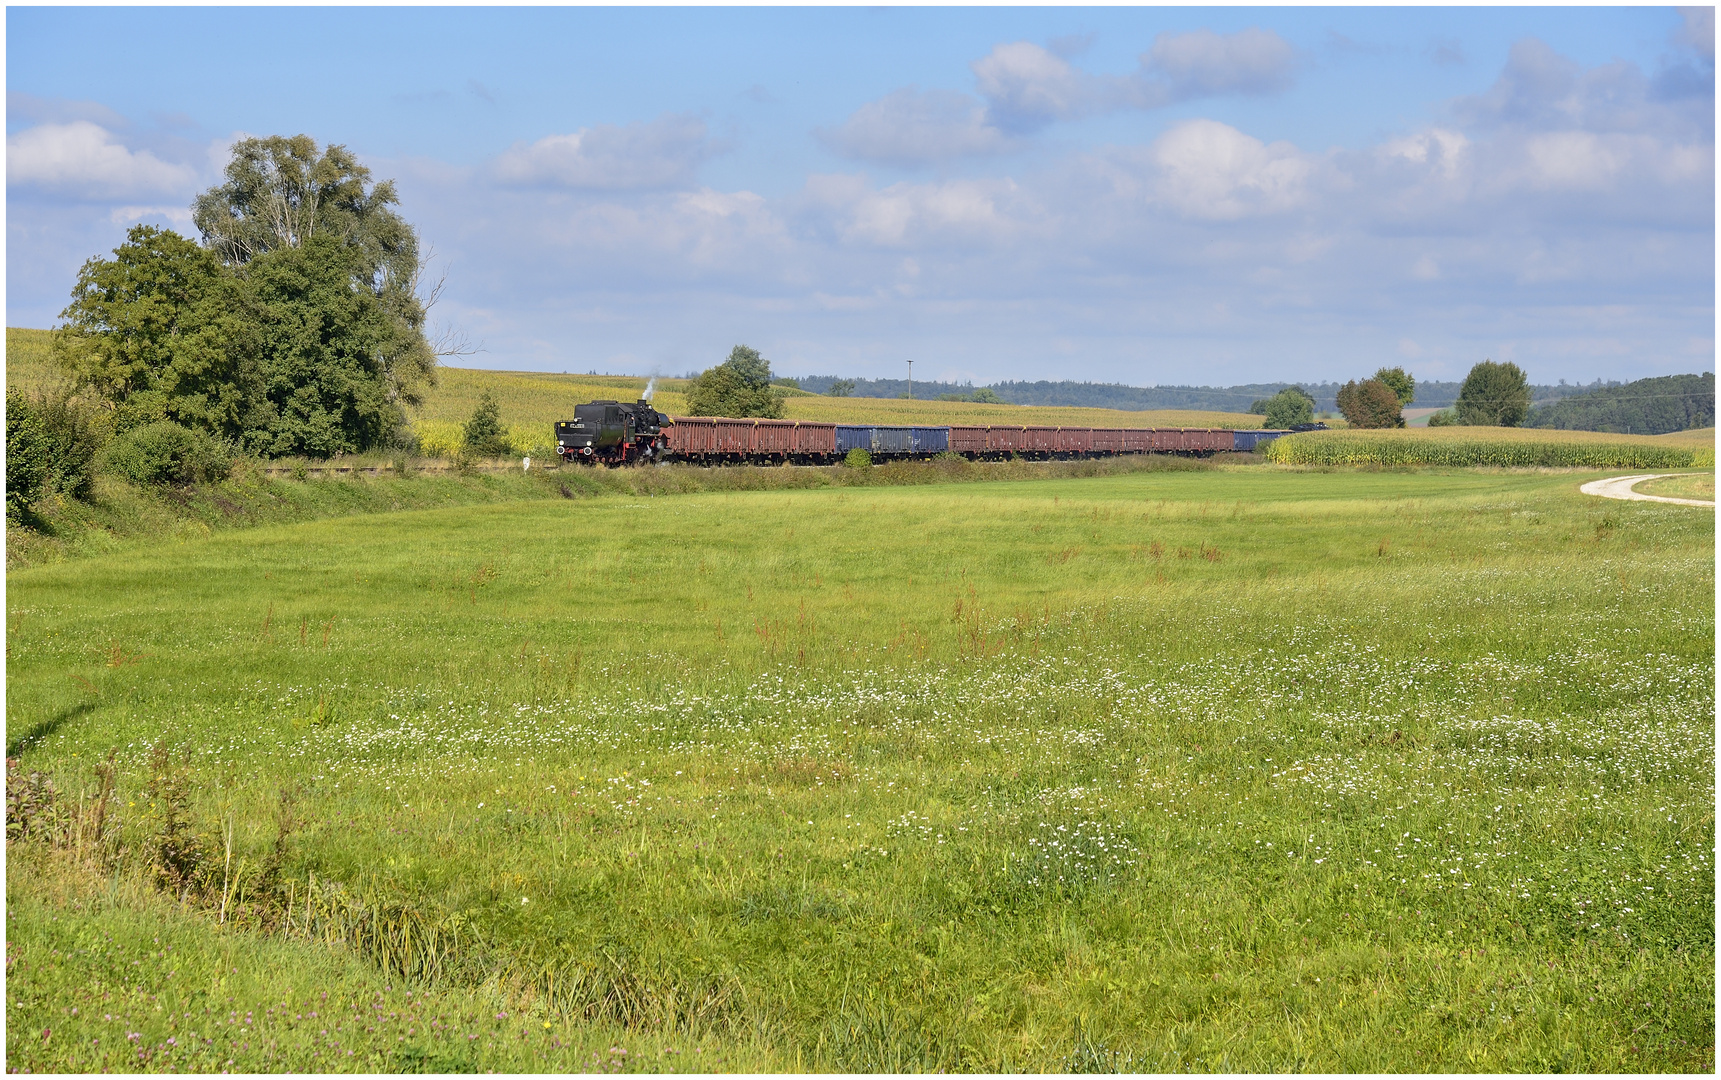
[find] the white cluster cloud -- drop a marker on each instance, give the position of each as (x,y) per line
(81,159)
(664,153)
(1181,67)
(1022,87)
(1206,169)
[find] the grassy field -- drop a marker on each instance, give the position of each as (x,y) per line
(1235,769)
(1688,486)
(120,515)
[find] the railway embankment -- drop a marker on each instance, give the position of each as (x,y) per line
(122,514)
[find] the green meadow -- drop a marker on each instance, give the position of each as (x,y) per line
(1239,768)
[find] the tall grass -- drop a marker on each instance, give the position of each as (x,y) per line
(1507,447)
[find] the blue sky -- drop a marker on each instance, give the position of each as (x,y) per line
(1173,195)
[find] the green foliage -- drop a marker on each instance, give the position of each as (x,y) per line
(1645,407)
(484,434)
(787,380)
(739,387)
(1288,408)
(841,388)
(1494,395)
(167,453)
(29,457)
(51,445)
(987,396)
(282,356)
(321,361)
(1370,404)
(858,458)
(1458,449)
(162,317)
(1443,418)
(1401,382)
(280,193)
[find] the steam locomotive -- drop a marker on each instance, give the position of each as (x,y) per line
(613,433)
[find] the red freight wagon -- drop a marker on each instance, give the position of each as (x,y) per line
(706,436)
(1005,439)
(692,435)
(1107,440)
(1074,440)
(1137,440)
(1167,440)
(773,438)
(815,438)
(1210,440)
(1040,439)
(965,440)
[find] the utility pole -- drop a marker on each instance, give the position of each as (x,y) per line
(911,380)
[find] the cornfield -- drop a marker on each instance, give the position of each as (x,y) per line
(1495,446)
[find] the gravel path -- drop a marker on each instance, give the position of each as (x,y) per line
(1620,488)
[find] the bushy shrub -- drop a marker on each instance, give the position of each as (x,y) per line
(485,435)
(858,459)
(167,453)
(51,446)
(28,456)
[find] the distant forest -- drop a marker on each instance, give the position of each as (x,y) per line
(1434,395)
(1645,407)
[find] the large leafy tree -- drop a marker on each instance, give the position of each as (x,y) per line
(1288,408)
(1370,404)
(739,386)
(322,354)
(295,329)
(280,192)
(1402,383)
(1494,395)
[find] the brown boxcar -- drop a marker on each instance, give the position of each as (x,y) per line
(772,438)
(1107,440)
(1210,440)
(967,440)
(692,436)
(815,438)
(1137,440)
(1042,440)
(716,436)
(1000,439)
(1073,440)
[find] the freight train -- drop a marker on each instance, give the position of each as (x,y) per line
(617,433)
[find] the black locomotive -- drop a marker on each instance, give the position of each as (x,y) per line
(612,433)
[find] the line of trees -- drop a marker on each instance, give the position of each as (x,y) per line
(1646,407)
(296,326)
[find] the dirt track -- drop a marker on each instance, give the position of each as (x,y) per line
(1620,488)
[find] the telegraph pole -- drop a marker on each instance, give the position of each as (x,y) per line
(911,379)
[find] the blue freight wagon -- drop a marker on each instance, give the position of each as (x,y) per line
(1247,441)
(931,440)
(853,437)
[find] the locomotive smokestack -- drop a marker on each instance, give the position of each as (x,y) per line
(650,388)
